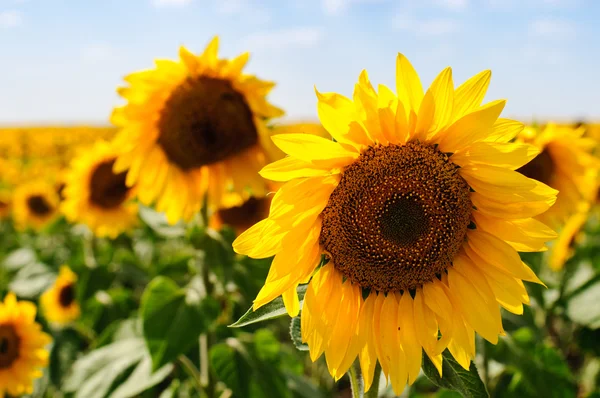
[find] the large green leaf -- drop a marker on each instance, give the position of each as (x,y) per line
(173,319)
(582,303)
(142,379)
(231,368)
(32,279)
(19,258)
(272,310)
(96,374)
(455,377)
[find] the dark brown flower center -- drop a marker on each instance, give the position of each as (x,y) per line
(3,205)
(204,121)
(540,168)
(397,218)
(66,296)
(39,205)
(107,189)
(249,213)
(9,346)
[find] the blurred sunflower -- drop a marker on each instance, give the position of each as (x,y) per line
(419,213)
(97,196)
(22,347)
(192,128)
(5,204)
(563,248)
(59,302)
(565,163)
(35,205)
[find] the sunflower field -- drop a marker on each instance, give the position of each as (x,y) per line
(409,241)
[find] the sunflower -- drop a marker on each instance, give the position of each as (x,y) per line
(5,204)
(569,235)
(35,205)
(59,302)
(407,225)
(193,128)
(97,196)
(565,162)
(22,347)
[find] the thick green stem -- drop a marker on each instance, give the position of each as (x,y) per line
(374,390)
(356,382)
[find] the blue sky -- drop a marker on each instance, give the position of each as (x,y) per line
(61,60)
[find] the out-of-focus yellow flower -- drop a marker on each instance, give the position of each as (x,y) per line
(59,303)
(22,347)
(97,196)
(194,127)
(565,163)
(35,205)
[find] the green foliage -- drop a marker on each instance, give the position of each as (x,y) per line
(173,319)
(455,377)
(272,310)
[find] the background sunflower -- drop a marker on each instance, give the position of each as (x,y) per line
(96,195)
(23,351)
(59,302)
(35,205)
(192,128)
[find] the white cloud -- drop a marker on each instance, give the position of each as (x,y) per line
(552,28)
(251,12)
(305,37)
(456,5)
(10,19)
(426,27)
(98,52)
(171,3)
(333,7)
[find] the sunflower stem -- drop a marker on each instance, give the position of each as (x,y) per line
(192,372)
(374,390)
(356,381)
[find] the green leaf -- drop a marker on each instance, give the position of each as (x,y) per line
(32,280)
(296,334)
(142,379)
(583,307)
(272,310)
(172,318)
(158,223)
(93,375)
(231,368)
(267,347)
(99,372)
(455,377)
(19,258)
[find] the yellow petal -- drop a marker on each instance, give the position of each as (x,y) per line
(408,85)
(336,114)
(442,89)
(472,127)
(473,306)
(289,168)
(291,301)
(499,254)
(506,155)
(310,148)
(469,95)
